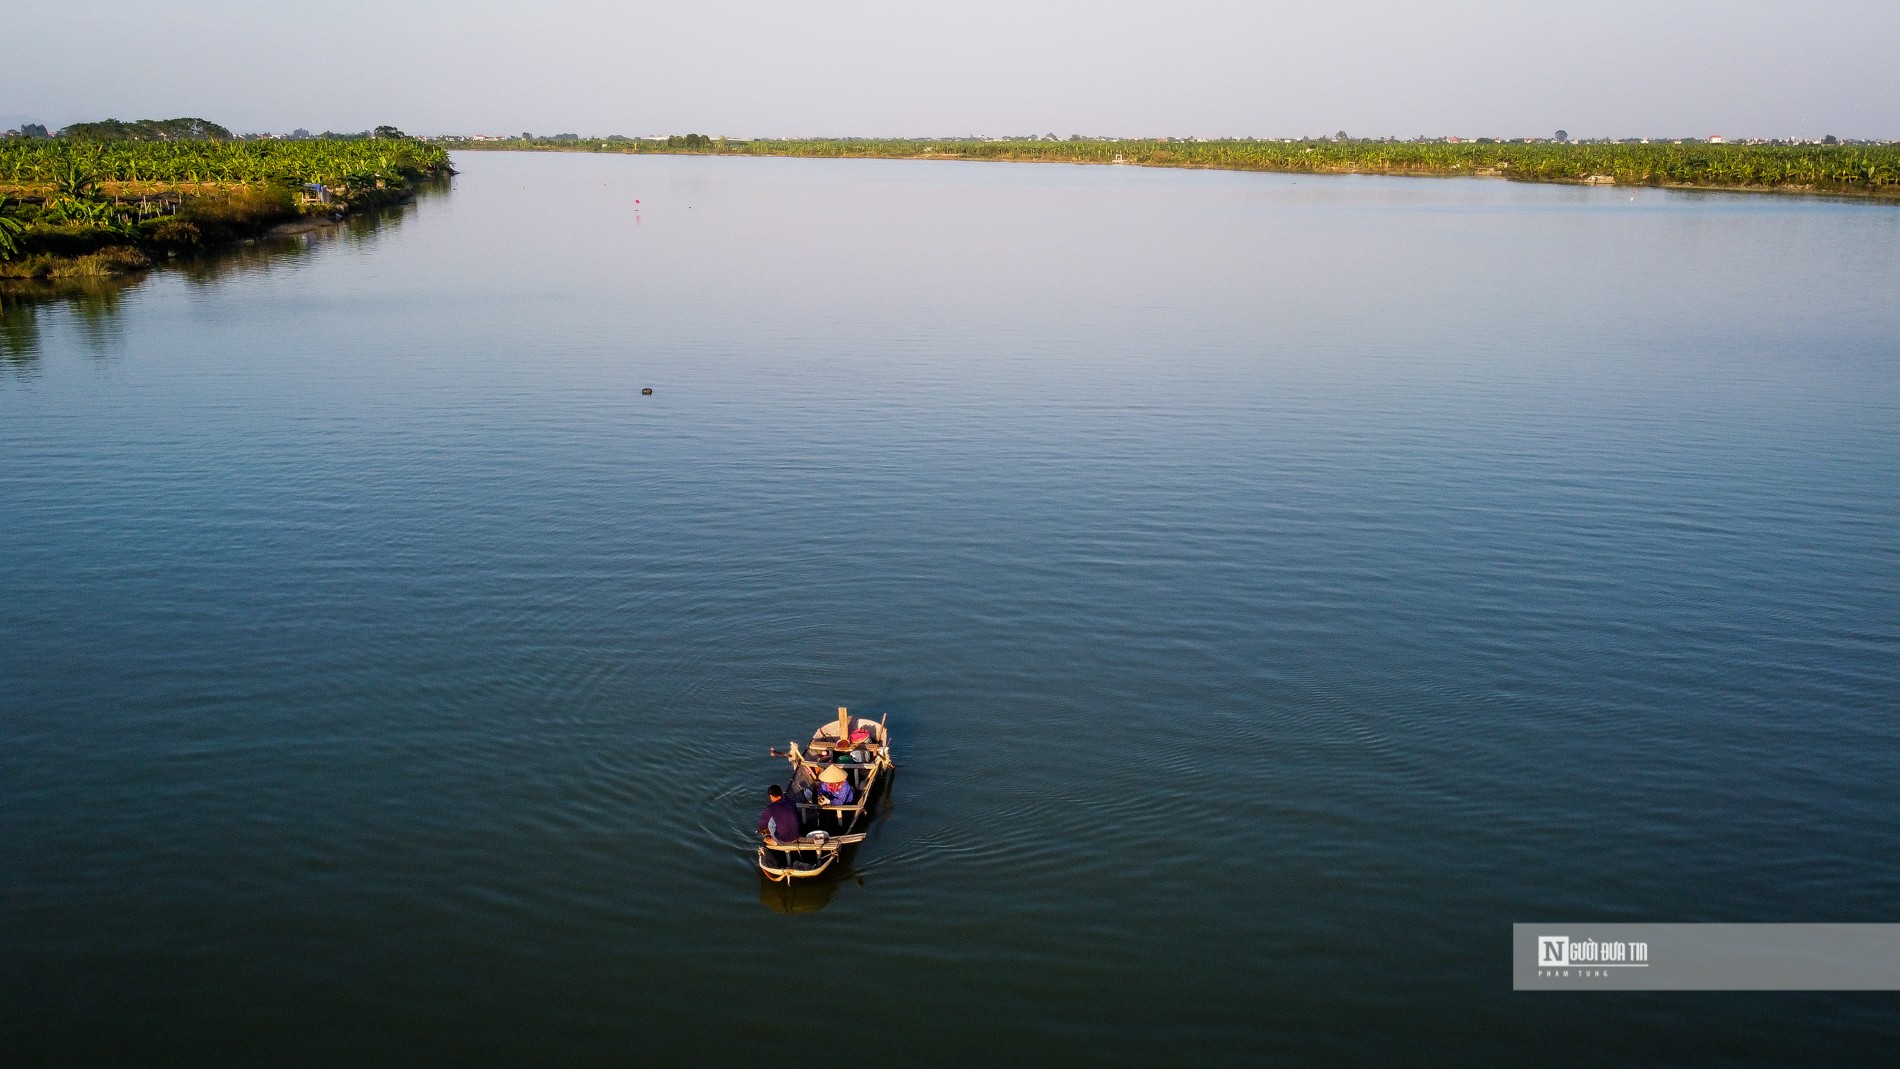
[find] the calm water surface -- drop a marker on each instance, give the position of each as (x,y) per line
(1277,586)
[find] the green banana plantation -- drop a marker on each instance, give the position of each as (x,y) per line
(28,162)
(89,206)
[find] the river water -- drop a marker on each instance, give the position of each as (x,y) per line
(1277,586)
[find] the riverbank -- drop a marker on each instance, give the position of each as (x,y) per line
(1848,170)
(74,209)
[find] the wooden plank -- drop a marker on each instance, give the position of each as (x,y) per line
(808,845)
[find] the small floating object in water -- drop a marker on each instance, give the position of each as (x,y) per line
(646,391)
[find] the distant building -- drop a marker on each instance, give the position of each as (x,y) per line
(1717,139)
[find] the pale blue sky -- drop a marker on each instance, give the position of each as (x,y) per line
(1467,67)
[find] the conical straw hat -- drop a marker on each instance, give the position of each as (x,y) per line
(832,774)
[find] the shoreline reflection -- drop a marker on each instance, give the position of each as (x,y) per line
(93,303)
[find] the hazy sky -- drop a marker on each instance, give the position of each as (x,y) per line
(1467,67)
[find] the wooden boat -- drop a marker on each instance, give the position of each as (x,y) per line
(855,747)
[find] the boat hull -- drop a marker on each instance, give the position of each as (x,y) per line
(795,864)
(867,763)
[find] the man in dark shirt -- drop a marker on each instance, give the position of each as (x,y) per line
(779,821)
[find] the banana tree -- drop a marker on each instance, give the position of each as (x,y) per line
(75,181)
(10,230)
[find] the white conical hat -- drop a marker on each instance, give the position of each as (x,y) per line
(832,774)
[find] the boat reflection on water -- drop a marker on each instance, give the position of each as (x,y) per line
(803,896)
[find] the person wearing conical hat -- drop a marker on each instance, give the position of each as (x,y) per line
(835,786)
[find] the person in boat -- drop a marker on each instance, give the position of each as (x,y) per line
(834,786)
(779,821)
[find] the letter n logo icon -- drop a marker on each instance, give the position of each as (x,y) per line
(1553,951)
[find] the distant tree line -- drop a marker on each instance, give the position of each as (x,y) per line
(1832,167)
(615,142)
(183,129)
(147,130)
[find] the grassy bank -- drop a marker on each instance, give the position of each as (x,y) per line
(1862,170)
(75,207)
